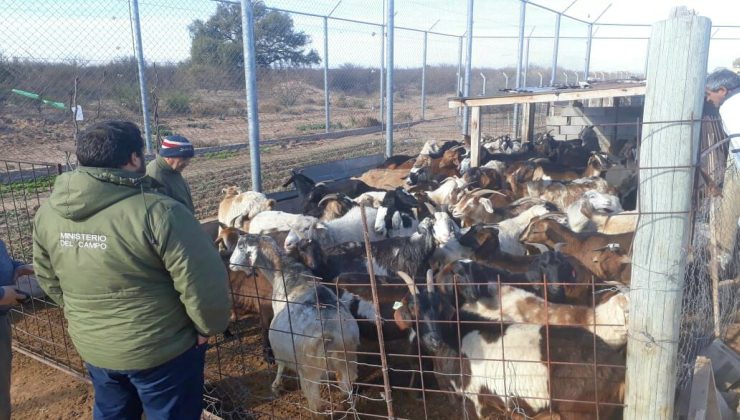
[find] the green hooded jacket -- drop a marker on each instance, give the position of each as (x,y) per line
(174,184)
(137,276)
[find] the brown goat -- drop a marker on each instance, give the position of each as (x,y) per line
(586,247)
(486,178)
(386,179)
(427,168)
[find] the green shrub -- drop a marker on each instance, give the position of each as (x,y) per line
(178,103)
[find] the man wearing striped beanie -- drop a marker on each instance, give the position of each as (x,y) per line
(174,156)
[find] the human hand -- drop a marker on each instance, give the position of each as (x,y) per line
(13,296)
(202,340)
(24,270)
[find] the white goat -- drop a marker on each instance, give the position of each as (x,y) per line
(238,207)
(511,229)
(312,332)
(581,214)
(280,221)
(446,192)
(347,228)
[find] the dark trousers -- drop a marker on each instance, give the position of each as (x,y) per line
(173,390)
(6,356)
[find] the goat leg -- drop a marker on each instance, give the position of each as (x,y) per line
(277,384)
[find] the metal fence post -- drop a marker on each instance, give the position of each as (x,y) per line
(459,70)
(424,77)
(142,75)
(468,66)
(250,77)
(382,67)
(588,51)
(520,57)
(327,119)
(668,151)
(555,46)
(526,61)
(389,84)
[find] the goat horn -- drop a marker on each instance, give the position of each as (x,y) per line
(430,208)
(409,282)
(328,197)
(430,281)
(483,191)
(558,246)
(542,248)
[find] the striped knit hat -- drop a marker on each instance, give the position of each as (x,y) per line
(176,146)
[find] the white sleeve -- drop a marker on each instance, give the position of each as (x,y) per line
(730,113)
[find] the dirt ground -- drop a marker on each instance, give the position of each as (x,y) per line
(42,392)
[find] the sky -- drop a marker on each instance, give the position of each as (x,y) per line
(97,31)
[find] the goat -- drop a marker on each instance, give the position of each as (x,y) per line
(227,239)
(311,192)
(446,192)
(384,179)
(237,207)
(509,230)
(329,335)
(487,178)
(409,254)
(504,367)
(484,241)
(273,221)
(397,162)
(583,212)
(370,199)
(395,214)
(252,294)
(595,166)
(486,206)
(585,246)
(332,206)
(430,168)
(563,195)
(623,222)
(347,228)
(498,295)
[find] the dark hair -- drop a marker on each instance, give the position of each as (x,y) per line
(109,144)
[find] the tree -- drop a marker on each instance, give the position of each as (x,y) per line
(736,63)
(218,41)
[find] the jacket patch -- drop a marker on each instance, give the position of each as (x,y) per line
(83,240)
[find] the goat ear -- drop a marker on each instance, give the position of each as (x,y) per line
(487,205)
(403,324)
(559,246)
(222,225)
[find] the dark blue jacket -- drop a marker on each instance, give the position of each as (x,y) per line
(7,269)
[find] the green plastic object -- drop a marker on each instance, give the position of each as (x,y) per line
(53,104)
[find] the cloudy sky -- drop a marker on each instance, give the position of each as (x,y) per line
(97,31)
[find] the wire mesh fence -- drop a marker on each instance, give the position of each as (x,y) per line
(431,370)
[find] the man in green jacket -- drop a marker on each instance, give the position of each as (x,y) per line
(174,156)
(141,284)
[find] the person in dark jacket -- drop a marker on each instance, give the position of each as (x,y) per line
(10,270)
(141,284)
(174,156)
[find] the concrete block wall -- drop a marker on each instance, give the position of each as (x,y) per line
(567,121)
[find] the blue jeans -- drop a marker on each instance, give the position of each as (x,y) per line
(173,390)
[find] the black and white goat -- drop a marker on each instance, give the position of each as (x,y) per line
(505,368)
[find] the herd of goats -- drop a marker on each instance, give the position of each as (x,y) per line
(508,281)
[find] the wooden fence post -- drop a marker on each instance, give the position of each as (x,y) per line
(676,74)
